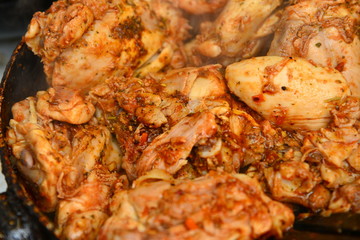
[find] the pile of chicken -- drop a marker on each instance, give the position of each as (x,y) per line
(191,119)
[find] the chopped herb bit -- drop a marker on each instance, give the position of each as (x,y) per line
(332,99)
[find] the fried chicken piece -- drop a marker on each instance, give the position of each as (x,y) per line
(291,181)
(291,92)
(339,148)
(324,32)
(238,32)
(165,110)
(215,206)
(345,199)
(82,215)
(38,160)
(91,145)
(53,155)
(65,105)
(170,150)
(200,6)
(327,161)
(101,39)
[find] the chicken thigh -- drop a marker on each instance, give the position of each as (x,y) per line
(100,39)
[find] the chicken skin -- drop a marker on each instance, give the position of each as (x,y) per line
(155,129)
(100,39)
(214,206)
(323,32)
(54,155)
(239,31)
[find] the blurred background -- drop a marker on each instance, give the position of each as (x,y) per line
(15,15)
(14,18)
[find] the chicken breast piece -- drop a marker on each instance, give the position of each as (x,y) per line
(291,92)
(325,33)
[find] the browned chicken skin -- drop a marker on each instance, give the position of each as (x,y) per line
(238,32)
(324,32)
(214,206)
(101,39)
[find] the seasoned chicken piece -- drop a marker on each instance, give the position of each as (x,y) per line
(328,159)
(164,98)
(339,147)
(238,32)
(52,154)
(152,115)
(291,181)
(82,215)
(345,199)
(215,206)
(170,150)
(347,113)
(203,87)
(324,32)
(30,136)
(101,39)
(174,23)
(291,92)
(65,105)
(200,6)
(91,145)
(195,83)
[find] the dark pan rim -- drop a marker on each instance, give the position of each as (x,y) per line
(15,187)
